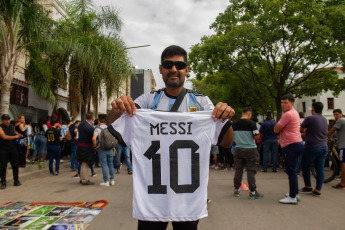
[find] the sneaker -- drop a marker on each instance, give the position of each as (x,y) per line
(317,194)
(263,170)
(231,168)
(130,172)
(216,167)
(104,184)
(61,160)
(117,171)
(237,192)
(306,190)
(244,187)
(51,173)
(209,201)
(17,183)
(56,173)
(112,182)
(255,195)
(94,174)
(274,170)
(288,200)
(3,185)
(76,176)
(297,196)
(339,186)
(225,170)
(87,183)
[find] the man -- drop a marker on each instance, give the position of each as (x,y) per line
(54,138)
(246,154)
(85,152)
(291,142)
(339,127)
(315,150)
(270,144)
(174,70)
(8,150)
(106,156)
(73,130)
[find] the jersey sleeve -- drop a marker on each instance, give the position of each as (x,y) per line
(122,129)
(205,103)
(144,101)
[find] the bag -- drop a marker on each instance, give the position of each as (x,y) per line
(116,161)
(106,140)
(68,136)
(24,141)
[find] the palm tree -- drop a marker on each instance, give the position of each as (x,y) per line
(23,24)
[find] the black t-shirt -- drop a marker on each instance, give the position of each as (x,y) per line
(7,144)
(52,136)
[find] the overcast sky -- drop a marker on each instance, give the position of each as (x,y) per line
(161,23)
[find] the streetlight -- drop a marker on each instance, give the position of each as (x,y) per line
(134,47)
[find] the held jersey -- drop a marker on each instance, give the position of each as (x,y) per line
(160,100)
(170,161)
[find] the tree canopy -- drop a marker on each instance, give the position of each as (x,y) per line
(270,48)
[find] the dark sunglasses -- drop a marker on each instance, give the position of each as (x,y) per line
(178,64)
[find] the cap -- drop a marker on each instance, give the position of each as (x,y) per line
(5,117)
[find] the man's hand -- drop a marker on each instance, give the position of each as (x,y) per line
(222,111)
(125,104)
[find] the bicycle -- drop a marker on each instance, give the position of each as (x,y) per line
(332,163)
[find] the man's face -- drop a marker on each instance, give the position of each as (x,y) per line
(6,122)
(337,115)
(286,105)
(174,77)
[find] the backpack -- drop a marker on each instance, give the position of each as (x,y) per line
(68,136)
(106,139)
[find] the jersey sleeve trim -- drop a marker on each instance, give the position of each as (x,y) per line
(117,135)
(224,130)
(138,106)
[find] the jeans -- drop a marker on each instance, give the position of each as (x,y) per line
(267,146)
(54,153)
(127,152)
(106,157)
(317,157)
(290,155)
(40,145)
(74,162)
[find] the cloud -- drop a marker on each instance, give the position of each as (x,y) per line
(161,23)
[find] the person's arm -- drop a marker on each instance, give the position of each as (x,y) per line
(76,134)
(222,111)
(8,138)
(228,138)
(22,127)
(278,128)
(123,104)
(331,131)
(94,140)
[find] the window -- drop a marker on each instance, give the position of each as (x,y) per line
(303,107)
(330,103)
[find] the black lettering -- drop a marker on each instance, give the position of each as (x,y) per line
(172,124)
(154,127)
(163,127)
(182,128)
(189,127)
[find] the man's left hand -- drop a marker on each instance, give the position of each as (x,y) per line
(222,111)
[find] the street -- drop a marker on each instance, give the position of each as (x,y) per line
(226,211)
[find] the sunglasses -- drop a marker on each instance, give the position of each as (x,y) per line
(178,64)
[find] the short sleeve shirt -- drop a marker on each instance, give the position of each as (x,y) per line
(316,134)
(340,125)
(171,157)
(244,132)
(53,135)
(291,133)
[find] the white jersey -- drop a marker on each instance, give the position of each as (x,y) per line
(170,161)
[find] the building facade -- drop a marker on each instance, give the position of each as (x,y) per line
(143,83)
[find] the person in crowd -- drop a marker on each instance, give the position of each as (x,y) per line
(73,129)
(8,151)
(96,123)
(339,128)
(40,140)
(21,128)
(291,142)
(54,138)
(53,116)
(127,155)
(106,156)
(270,144)
(215,153)
(174,70)
(85,152)
(31,136)
(246,154)
(315,150)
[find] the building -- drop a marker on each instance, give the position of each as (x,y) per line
(329,101)
(143,83)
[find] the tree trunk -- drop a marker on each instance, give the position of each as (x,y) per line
(278,108)
(6,87)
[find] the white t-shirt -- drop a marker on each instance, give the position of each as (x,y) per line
(170,161)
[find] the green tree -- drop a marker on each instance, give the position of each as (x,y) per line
(275,48)
(23,24)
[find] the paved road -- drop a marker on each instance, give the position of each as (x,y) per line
(226,211)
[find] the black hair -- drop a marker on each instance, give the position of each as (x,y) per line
(301,114)
(53,121)
(246,110)
(27,121)
(337,111)
(42,121)
(172,51)
(96,122)
(288,97)
(318,107)
(102,120)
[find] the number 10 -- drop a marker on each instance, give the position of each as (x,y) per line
(157,187)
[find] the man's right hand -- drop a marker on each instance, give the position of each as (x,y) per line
(124,104)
